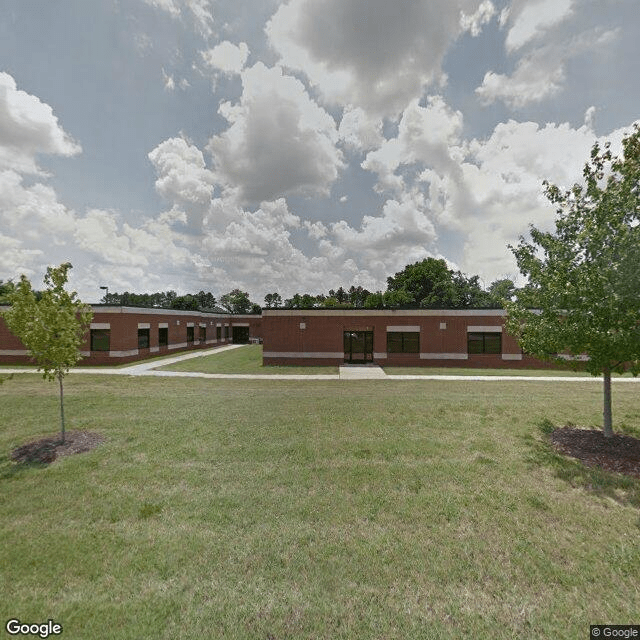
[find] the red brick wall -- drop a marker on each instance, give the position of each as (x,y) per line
(323,334)
(123,328)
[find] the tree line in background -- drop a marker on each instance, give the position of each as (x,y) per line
(428,284)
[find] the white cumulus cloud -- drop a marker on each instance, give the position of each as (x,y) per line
(533,18)
(28,127)
(227,57)
(541,73)
(373,54)
(279,141)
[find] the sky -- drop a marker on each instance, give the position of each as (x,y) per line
(300,145)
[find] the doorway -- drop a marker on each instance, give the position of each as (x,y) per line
(358,347)
(240,335)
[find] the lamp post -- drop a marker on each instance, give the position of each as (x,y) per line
(106,294)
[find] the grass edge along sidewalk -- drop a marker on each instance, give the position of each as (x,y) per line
(245,361)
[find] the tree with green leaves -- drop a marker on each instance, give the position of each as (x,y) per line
(582,295)
(273,300)
(52,328)
(185,303)
(5,289)
(501,291)
(430,284)
(236,301)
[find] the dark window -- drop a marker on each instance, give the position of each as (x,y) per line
(163,336)
(203,334)
(240,335)
(100,339)
(190,334)
(218,333)
(143,338)
(403,342)
(488,342)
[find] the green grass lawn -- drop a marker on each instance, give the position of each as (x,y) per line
(245,359)
(468,371)
(315,509)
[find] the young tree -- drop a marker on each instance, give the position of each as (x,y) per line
(582,295)
(52,328)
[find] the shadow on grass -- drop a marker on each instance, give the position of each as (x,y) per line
(11,470)
(625,490)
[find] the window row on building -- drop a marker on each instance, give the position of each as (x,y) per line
(468,337)
(100,335)
(410,338)
(477,342)
(123,334)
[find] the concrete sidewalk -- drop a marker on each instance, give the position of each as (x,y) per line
(145,367)
(362,372)
(346,372)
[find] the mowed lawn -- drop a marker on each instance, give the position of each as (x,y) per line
(315,509)
(469,371)
(245,359)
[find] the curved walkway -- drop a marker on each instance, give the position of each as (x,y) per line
(347,372)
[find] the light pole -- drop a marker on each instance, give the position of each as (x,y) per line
(106,294)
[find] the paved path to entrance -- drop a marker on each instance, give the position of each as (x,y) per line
(362,372)
(142,368)
(347,372)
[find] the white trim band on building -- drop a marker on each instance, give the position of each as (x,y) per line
(179,345)
(303,354)
(512,356)
(163,325)
(240,324)
(100,325)
(484,329)
(122,354)
(144,325)
(379,356)
(407,328)
(14,352)
(444,356)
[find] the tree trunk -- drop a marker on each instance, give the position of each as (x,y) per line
(61,408)
(608,429)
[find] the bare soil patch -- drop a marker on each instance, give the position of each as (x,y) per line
(46,450)
(620,453)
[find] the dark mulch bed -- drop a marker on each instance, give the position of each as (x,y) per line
(619,453)
(46,450)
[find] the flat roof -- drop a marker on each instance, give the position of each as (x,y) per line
(385,312)
(99,308)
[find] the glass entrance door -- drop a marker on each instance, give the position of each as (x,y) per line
(358,347)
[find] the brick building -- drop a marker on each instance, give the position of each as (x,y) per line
(125,334)
(421,337)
